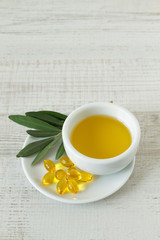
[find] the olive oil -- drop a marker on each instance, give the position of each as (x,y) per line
(101,137)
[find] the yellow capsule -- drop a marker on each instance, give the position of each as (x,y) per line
(49,165)
(85,177)
(61,186)
(65,161)
(72,173)
(48,178)
(73,186)
(60,174)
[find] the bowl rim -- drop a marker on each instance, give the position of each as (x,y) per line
(100,161)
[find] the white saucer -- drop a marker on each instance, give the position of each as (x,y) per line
(101,187)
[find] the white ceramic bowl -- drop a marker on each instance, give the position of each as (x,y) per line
(101,166)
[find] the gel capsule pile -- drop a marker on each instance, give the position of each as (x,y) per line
(67,180)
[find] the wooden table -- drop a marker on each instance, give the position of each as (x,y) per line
(58,55)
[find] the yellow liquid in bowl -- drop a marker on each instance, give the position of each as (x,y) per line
(100,136)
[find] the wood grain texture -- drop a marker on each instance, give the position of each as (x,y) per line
(59,55)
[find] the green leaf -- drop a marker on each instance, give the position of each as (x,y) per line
(45,150)
(34,147)
(31,122)
(55,114)
(40,133)
(45,117)
(60,151)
